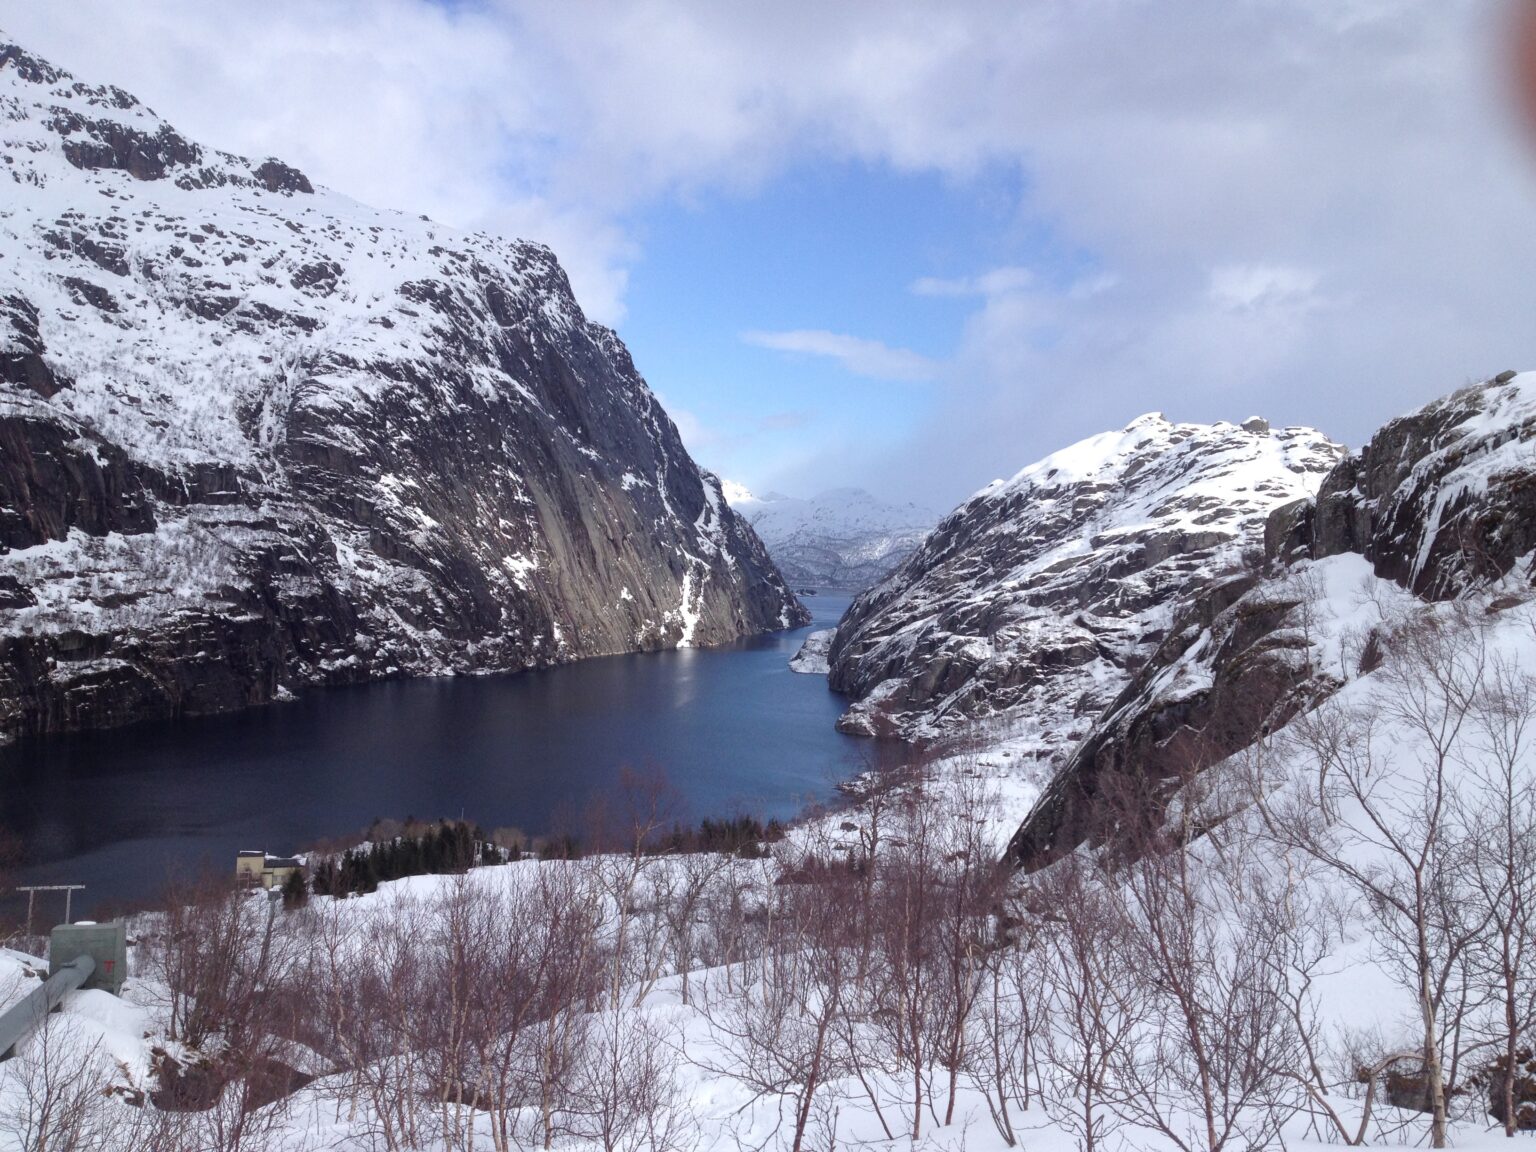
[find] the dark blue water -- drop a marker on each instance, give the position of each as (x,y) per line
(732,729)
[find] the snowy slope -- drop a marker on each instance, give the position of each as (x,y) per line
(1029,606)
(842,539)
(701,1036)
(1429,709)
(257,435)
(1437,505)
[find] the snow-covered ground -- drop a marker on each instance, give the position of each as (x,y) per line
(732,1002)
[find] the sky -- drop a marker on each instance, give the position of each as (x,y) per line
(911,246)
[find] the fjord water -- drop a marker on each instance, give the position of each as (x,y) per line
(732,728)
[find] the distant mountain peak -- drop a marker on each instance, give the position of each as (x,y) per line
(842,538)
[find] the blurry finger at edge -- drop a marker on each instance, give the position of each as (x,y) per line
(1523,49)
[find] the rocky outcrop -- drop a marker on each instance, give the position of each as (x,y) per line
(256,436)
(1441,499)
(811,660)
(1236,664)
(1035,601)
(56,478)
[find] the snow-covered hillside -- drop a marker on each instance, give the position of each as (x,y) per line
(1437,505)
(257,435)
(1032,603)
(876,981)
(1317,932)
(843,539)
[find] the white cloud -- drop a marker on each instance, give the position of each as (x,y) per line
(997,282)
(1311,208)
(1249,287)
(861,357)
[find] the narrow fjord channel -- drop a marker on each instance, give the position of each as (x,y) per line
(732,728)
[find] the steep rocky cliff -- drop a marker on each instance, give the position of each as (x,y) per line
(1440,500)
(254,436)
(1440,503)
(1035,601)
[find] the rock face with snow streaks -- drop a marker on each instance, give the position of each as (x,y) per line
(811,660)
(1037,598)
(254,435)
(1237,662)
(1442,498)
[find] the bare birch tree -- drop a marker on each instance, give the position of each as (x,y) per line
(1499,817)
(1092,996)
(1374,797)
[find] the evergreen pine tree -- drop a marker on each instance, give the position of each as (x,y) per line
(295,893)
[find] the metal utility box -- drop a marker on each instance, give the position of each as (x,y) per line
(107,944)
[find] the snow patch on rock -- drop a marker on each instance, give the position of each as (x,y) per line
(812,657)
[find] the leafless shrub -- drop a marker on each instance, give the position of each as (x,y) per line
(1382,817)
(782,1028)
(624,1093)
(1215,1057)
(1497,818)
(1093,996)
(60,1098)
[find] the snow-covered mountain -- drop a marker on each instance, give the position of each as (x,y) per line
(255,435)
(1138,608)
(1438,505)
(1038,598)
(843,538)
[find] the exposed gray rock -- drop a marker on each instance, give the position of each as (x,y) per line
(1443,498)
(812,657)
(1235,664)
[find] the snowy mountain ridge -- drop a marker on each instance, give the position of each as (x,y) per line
(843,538)
(1037,597)
(1436,507)
(257,435)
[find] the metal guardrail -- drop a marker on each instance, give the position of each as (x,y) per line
(22,1018)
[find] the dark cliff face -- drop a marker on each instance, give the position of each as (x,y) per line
(1442,499)
(1440,503)
(1236,664)
(254,436)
